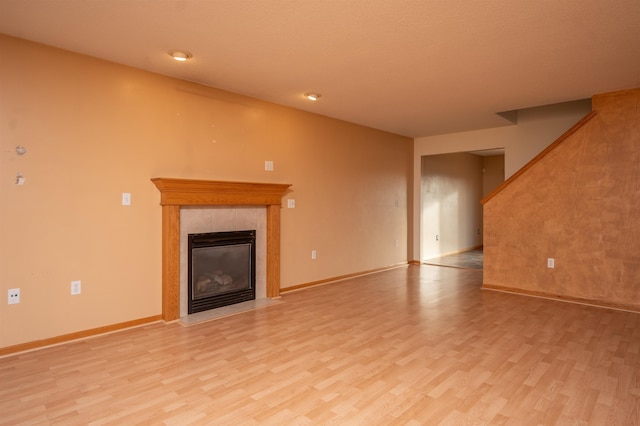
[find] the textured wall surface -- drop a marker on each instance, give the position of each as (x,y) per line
(537,128)
(580,205)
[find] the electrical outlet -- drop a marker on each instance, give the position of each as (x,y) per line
(268,166)
(291,203)
(13,296)
(437,237)
(551,262)
(76,287)
(314,254)
(395,243)
(126,198)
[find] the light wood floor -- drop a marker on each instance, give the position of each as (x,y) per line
(415,345)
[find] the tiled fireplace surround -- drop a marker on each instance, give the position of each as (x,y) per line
(194,220)
(193,206)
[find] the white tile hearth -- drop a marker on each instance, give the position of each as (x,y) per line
(226,311)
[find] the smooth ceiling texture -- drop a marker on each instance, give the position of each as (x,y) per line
(414,68)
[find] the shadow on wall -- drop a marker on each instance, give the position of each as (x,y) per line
(452,187)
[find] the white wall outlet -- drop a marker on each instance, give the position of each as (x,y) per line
(268,166)
(126,198)
(551,262)
(314,254)
(291,204)
(395,243)
(76,287)
(13,296)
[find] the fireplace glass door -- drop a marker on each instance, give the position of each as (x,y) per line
(221,269)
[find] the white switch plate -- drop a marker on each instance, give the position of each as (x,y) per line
(268,166)
(13,296)
(314,254)
(551,262)
(291,204)
(76,287)
(126,198)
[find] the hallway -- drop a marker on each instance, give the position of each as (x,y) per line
(472,259)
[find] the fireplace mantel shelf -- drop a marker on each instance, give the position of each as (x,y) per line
(189,192)
(176,193)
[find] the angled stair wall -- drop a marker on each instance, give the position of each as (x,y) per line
(579,203)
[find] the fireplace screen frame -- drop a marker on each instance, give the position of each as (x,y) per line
(223,298)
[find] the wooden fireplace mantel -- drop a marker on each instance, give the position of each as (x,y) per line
(175,193)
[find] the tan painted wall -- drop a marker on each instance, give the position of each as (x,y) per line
(580,205)
(537,128)
(451,210)
(95,129)
(493,173)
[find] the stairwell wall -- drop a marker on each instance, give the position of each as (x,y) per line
(578,205)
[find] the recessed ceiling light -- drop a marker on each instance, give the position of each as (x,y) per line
(312,96)
(180,55)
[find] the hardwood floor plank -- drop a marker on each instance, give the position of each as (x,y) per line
(408,346)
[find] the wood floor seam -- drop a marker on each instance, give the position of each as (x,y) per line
(421,345)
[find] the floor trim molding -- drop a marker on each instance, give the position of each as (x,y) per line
(561,298)
(341,278)
(78,335)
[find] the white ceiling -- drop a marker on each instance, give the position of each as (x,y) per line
(410,67)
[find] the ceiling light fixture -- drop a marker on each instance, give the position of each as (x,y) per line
(312,96)
(180,55)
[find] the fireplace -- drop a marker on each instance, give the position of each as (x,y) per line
(177,194)
(221,270)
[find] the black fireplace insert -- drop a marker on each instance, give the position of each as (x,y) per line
(221,269)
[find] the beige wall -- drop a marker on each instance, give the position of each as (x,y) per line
(536,129)
(95,129)
(492,173)
(580,205)
(451,210)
